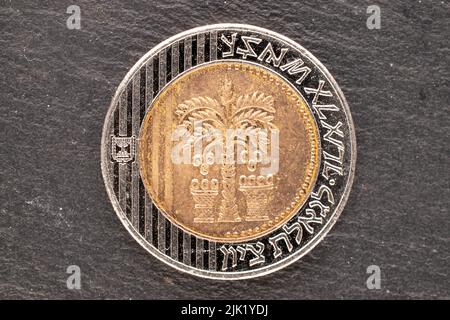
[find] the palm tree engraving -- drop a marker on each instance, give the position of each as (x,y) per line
(245,115)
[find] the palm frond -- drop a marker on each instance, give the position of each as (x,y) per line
(203,109)
(254,110)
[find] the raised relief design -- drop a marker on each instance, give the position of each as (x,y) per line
(204,194)
(258,196)
(234,129)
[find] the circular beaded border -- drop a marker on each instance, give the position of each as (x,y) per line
(302,192)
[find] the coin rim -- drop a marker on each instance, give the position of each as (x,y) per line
(246,273)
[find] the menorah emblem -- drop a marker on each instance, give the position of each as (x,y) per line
(122,148)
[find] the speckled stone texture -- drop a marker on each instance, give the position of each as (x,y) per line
(56,86)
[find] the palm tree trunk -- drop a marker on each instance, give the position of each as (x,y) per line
(228,208)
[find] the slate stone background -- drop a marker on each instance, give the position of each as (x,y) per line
(56,86)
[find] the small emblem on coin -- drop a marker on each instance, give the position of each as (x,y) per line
(228,151)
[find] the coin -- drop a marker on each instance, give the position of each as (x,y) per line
(258,190)
(228,151)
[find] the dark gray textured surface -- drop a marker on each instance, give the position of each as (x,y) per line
(56,86)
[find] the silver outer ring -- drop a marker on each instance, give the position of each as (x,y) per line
(278,264)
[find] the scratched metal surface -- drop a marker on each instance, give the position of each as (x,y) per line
(56,86)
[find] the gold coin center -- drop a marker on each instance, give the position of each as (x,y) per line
(229,151)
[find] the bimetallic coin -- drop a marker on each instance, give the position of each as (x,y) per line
(228,151)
